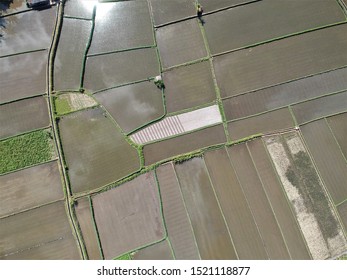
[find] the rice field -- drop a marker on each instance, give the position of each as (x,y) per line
(338,127)
(211,5)
(79,9)
(159,251)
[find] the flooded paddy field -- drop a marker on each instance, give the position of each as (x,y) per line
(27,31)
(87,227)
(79,8)
(183,144)
(265,20)
(258,202)
(178,225)
(338,127)
(238,216)
(210,230)
(321,107)
(212,5)
(129,21)
(168,11)
(159,251)
(328,158)
(128,217)
(313,209)
(285,94)
(11,7)
(30,187)
(180,43)
(134,105)
(95,150)
(22,116)
(69,58)
(281,61)
(22,76)
(188,87)
(110,70)
(265,123)
(44,231)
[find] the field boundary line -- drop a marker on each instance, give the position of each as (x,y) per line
(192,109)
(293,116)
(185,208)
(287,199)
(268,200)
(290,35)
(323,117)
(343,7)
(122,50)
(95,227)
(220,208)
(188,63)
(149,79)
(25,52)
(26,132)
(331,131)
(24,98)
(16,13)
(342,202)
(78,18)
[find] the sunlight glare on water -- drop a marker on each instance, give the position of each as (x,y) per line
(102,9)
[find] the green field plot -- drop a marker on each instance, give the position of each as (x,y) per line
(128,217)
(30,187)
(183,144)
(111,70)
(25,150)
(211,5)
(177,221)
(69,59)
(125,257)
(69,102)
(265,20)
(27,31)
(22,116)
(265,123)
(238,216)
(121,25)
(210,230)
(167,11)
(87,227)
(159,251)
(22,75)
(321,107)
(262,212)
(338,125)
(14,6)
(95,151)
(281,61)
(188,86)
(134,105)
(328,158)
(41,233)
(305,191)
(277,198)
(282,95)
(342,209)
(79,8)
(181,42)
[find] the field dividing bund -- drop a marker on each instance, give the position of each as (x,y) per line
(115,69)
(112,18)
(269,21)
(212,5)
(281,61)
(188,86)
(282,95)
(69,58)
(342,209)
(29,188)
(280,205)
(171,11)
(243,229)
(187,43)
(22,75)
(258,202)
(192,141)
(95,150)
(35,235)
(338,126)
(314,211)
(268,122)
(133,106)
(321,107)
(178,225)
(129,217)
(27,31)
(210,230)
(327,157)
(86,223)
(158,251)
(79,9)
(22,116)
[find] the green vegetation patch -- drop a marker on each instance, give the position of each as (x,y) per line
(343,257)
(62,106)
(124,258)
(25,150)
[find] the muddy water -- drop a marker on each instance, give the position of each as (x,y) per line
(12,6)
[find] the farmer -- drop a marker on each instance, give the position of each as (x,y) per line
(199,11)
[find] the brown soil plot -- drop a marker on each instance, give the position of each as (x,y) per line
(159,251)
